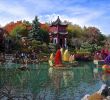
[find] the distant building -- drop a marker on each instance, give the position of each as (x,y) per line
(58,33)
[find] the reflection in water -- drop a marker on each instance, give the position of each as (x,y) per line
(50,71)
(106,78)
(97,74)
(53,84)
(68,77)
(73,83)
(55,79)
(59,77)
(100,75)
(60,80)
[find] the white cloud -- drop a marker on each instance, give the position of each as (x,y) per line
(48,10)
(80,20)
(85,19)
(74,13)
(13,12)
(13,9)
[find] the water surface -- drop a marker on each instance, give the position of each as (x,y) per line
(44,83)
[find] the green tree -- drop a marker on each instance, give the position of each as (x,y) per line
(19,31)
(75,34)
(38,33)
(74,30)
(36,45)
(44,35)
(34,32)
(27,23)
(87,47)
(78,35)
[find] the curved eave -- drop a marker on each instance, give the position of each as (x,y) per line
(59,25)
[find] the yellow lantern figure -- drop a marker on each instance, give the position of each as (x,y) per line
(104,67)
(66,55)
(51,59)
(71,59)
(51,56)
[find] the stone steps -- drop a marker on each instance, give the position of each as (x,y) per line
(8,57)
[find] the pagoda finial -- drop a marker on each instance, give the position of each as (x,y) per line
(58,20)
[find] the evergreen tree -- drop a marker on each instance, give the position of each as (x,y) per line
(44,36)
(34,32)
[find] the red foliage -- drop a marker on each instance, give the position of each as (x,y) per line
(44,26)
(9,27)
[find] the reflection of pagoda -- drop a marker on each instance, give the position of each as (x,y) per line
(58,33)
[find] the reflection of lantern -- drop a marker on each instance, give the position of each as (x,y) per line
(104,77)
(95,70)
(68,76)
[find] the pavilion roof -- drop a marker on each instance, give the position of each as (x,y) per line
(58,22)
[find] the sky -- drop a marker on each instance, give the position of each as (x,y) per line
(82,12)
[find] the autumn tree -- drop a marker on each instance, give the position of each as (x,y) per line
(93,35)
(19,25)
(19,31)
(74,30)
(74,35)
(78,35)
(107,42)
(45,26)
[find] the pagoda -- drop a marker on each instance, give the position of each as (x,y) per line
(58,33)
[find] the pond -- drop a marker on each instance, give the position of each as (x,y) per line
(44,83)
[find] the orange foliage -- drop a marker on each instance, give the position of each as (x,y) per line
(9,27)
(44,26)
